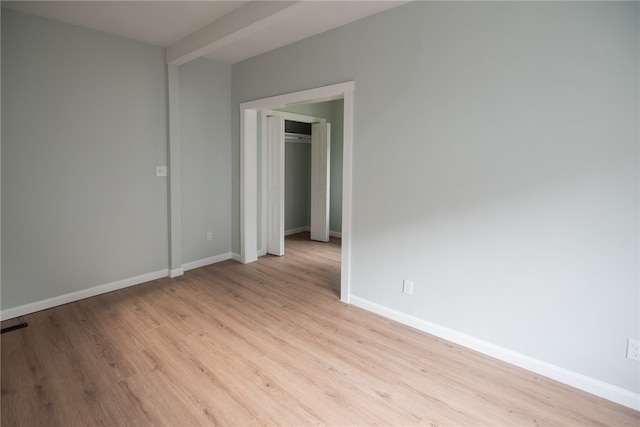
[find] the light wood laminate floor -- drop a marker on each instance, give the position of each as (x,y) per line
(267,343)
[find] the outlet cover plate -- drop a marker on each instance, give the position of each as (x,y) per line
(633,349)
(407,287)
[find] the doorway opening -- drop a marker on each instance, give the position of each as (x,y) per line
(296,175)
(251,218)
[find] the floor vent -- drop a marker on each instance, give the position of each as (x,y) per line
(14,327)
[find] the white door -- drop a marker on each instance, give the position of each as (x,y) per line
(275,185)
(320,151)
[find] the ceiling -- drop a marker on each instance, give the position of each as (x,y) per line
(237,30)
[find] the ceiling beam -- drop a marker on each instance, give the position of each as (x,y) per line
(251,17)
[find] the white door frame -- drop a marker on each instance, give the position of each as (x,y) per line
(249,169)
(273,184)
(262,144)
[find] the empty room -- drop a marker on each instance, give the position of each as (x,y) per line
(329,213)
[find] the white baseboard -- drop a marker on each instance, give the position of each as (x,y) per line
(582,382)
(236,257)
(206,261)
(22,310)
(176,272)
(296,230)
(263,251)
(337,234)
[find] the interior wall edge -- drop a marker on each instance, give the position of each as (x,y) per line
(584,383)
(33,307)
(206,261)
(296,230)
(175,272)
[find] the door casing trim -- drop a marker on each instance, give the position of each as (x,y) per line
(249,168)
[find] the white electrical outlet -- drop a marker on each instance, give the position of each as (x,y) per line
(209,236)
(161,171)
(633,349)
(407,286)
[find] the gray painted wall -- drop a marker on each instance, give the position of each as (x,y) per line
(495,164)
(205,94)
(84,124)
(297,185)
(83,127)
(335,198)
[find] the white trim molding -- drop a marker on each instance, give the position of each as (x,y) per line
(174,191)
(262,146)
(22,310)
(296,230)
(307,228)
(176,272)
(582,382)
(206,261)
(248,184)
(248,168)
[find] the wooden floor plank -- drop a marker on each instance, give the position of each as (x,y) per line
(268,343)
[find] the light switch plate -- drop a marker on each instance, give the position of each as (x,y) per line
(161,171)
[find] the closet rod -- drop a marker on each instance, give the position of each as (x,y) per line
(297,137)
